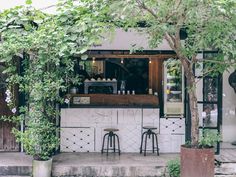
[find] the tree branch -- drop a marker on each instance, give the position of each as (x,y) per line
(194,58)
(170,41)
(143,6)
(205,74)
(48,7)
(173,12)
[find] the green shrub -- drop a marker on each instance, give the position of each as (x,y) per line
(209,138)
(173,167)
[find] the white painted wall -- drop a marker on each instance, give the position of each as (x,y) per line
(123,40)
(39,4)
(229,110)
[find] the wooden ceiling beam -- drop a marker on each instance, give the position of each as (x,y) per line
(157,56)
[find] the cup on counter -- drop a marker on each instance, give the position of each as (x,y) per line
(128,92)
(133,92)
(123,92)
(73,90)
(150,91)
(118,92)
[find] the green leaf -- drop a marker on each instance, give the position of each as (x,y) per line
(83,50)
(28,2)
(84,57)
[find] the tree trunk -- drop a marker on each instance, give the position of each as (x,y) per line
(187,64)
(193,109)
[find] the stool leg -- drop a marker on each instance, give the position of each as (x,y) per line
(108,144)
(153,146)
(118,142)
(141,147)
(114,143)
(157,144)
(111,137)
(145,148)
(103,142)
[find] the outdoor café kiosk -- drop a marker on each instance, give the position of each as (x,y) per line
(124,93)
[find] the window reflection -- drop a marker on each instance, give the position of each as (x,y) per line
(210,89)
(209,115)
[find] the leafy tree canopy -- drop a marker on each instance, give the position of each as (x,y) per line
(207,25)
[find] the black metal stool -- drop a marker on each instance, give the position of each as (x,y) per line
(111,140)
(148,133)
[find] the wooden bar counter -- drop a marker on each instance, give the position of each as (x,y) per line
(113,100)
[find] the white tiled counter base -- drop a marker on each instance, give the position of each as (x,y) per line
(129,121)
(172,134)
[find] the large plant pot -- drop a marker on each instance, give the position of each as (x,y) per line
(196,162)
(42,168)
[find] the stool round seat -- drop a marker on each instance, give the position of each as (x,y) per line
(111,129)
(150,127)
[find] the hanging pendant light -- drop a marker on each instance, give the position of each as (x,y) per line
(150,60)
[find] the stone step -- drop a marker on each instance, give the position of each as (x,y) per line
(108,171)
(15,170)
(14,176)
(226,169)
(225,176)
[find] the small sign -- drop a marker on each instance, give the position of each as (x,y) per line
(81,100)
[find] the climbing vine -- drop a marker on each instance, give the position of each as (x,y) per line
(39,51)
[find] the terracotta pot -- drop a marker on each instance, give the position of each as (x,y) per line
(196,162)
(42,168)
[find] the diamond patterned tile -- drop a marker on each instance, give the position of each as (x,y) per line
(130,138)
(151,118)
(77,140)
(172,126)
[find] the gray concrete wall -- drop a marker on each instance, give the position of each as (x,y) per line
(229,110)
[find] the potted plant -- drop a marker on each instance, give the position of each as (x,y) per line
(189,27)
(199,161)
(39,140)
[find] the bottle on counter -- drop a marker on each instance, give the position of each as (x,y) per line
(122,86)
